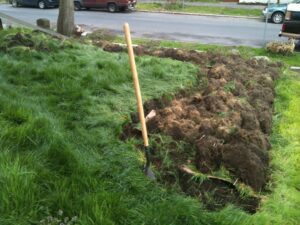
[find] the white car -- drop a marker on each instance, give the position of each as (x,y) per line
(276,12)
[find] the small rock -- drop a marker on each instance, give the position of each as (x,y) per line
(295,68)
(199,51)
(85,33)
(43,23)
(78,30)
(264,58)
(235,51)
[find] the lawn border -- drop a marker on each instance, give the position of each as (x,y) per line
(198,14)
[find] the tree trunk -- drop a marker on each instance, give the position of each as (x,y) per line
(65,22)
(1,26)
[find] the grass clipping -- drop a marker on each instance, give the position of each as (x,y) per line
(284,48)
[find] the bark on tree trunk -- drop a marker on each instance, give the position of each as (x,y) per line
(1,26)
(65,22)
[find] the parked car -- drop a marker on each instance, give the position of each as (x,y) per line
(291,25)
(42,4)
(276,12)
(110,5)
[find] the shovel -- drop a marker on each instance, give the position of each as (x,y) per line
(147,170)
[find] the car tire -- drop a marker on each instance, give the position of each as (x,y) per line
(77,6)
(42,4)
(112,7)
(277,17)
(15,3)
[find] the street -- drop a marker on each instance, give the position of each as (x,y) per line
(190,28)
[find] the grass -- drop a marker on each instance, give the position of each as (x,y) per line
(199,9)
(62,107)
(284,203)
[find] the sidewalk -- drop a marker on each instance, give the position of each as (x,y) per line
(231,5)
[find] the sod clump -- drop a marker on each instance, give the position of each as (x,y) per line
(25,41)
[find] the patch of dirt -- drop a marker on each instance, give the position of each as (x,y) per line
(29,41)
(227,119)
(223,192)
(19,39)
(101,34)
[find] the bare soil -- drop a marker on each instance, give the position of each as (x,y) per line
(226,120)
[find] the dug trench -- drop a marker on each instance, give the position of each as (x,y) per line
(222,124)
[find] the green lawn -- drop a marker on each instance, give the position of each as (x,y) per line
(199,9)
(61,111)
(62,107)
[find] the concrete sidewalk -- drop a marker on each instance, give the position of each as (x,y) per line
(231,5)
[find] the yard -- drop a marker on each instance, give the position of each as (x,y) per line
(71,148)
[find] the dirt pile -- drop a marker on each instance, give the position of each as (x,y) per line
(19,39)
(227,119)
(24,42)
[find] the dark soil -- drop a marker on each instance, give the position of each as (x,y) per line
(227,120)
(30,41)
(20,39)
(216,192)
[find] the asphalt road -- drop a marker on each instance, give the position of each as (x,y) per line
(200,29)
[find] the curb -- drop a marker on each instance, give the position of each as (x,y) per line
(199,14)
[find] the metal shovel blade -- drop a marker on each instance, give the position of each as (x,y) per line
(147,168)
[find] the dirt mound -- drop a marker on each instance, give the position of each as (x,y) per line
(227,119)
(22,42)
(19,39)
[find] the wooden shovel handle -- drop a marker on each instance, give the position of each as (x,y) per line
(136,84)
